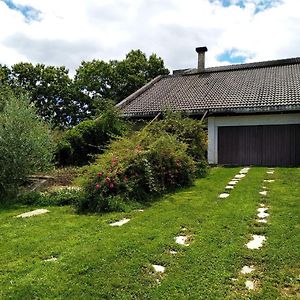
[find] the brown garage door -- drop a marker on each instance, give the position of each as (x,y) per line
(272,145)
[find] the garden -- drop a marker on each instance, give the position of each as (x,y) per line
(108,208)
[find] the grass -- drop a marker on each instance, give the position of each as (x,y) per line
(96,261)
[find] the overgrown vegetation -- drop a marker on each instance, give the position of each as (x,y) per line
(157,159)
(59,197)
(78,146)
(26,144)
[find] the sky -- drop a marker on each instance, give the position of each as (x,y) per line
(65,32)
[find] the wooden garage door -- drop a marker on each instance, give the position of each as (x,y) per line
(272,145)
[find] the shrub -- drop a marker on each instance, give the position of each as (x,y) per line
(66,196)
(188,130)
(79,145)
(137,168)
(26,144)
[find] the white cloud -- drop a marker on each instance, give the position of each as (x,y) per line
(71,31)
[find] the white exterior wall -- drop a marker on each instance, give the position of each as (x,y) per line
(247,120)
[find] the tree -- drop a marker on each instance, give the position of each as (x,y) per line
(53,92)
(116,80)
(25,143)
(4,75)
(64,102)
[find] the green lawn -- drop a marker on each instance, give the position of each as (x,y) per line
(96,261)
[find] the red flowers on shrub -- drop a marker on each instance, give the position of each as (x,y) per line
(100,174)
(111,186)
(107,180)
(114,161)
(97,186)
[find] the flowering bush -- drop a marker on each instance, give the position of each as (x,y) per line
(136,168)
(186,130)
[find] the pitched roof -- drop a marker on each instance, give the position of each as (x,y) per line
(253,87)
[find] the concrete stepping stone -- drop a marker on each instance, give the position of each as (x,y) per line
(269,180)
(244,170)
(270,172)
(182,240)
(257,242)
(159,268)
(120,223)
(140,210)
(262,221)
(33,213)
(239,176)
(249,284)
(52,258)
(247,269)
(263,193)
(232,182)
(262,212)
(223,195)
(173,252)
(229,187)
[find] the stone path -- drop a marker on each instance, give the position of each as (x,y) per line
(257,241)
(233,182)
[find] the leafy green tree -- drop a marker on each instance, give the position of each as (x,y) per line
(25,143)
(52,91)
(65,102)
(116,80)
(5,73)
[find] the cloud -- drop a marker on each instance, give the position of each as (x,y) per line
(68,32)
(51,52)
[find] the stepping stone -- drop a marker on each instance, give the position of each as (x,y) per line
(159,268)
(232,182)
(269,180)
(173,252)
(262,215)
(244,170)
(261,205)
(270,172)
(229,187)
(262,212)
(257,242)
(120,223)
(239,176)
(182,240)
(139,210)
(249,284)
(263,193)
(262,221)
(51,259)
(33,213)
(247,270)
(223,195)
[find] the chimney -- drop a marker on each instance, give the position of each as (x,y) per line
(201,58)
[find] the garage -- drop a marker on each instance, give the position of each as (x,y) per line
(271,145)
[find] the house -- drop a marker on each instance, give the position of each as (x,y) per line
(252,109)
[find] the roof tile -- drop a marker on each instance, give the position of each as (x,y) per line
(271,85)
